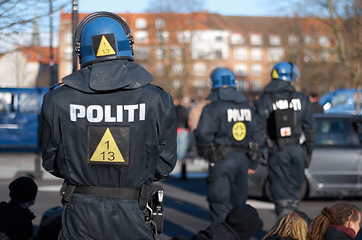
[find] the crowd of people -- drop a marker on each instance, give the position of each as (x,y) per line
(339,221)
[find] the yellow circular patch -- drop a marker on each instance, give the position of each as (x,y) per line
(239,131)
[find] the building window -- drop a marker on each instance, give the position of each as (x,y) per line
(184,36)
(274,40)
(160,53)
(325,56)
(177,69)
(308,40)
(309,56)
(200,69)
(141,23)
(218,38)
(324,41)
(162,37)
(41,56)
(256,54)
(69,53)
(256,70)
(236,38)
(256,39)
(256,86)
(275,54)
(242,85)
(142,53)
(28,55)
(241,70)
(218,54)
(69,38)
(69,68)
(160,70)
(177,53)
(141,37)
(160,23)
(241,53)
(292,40)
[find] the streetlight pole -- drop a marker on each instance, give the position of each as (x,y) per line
(75,24)
(51,62)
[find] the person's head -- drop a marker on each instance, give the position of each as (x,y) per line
(342,213)
(293,225)
(313,97)
(244,220)
(23,190)
(222,77)
(103,36)
(285,71)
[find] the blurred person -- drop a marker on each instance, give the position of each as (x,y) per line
(50,224)
(314,98)
(241,223)
(340,221)
(15,216)
(292,226)
(224,134)
(285,114)
(109,133)
(182,128)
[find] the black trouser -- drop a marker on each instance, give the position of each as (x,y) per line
(227,184)
(286,175)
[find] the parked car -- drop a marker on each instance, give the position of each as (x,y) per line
(19,113)
(336,164)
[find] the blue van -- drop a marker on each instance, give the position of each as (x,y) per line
(19,114)
(340,101)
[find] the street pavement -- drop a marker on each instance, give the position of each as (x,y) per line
(185,209)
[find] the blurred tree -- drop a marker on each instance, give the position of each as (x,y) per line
(344,20)
(18,16)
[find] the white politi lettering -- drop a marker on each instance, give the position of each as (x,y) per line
(130,109)
(283,104)
(237,115)
(97,113)
(76,111)
(94,113)
(107,115)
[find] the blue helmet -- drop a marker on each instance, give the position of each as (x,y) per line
(222,77)
(103,36)
(285,71)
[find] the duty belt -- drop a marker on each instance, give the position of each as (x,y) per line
(233,148)
(119,192)
(67,191)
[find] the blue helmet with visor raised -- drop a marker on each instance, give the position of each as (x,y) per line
(103,36)
(285,71)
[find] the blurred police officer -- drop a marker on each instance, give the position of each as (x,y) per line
(224,132)
(285,115)
(109,133)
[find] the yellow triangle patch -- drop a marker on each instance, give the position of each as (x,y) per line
(107,150)
(275,74)
(105,48)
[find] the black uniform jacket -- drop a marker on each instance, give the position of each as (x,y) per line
(108,126)
(227,107)
(301,104)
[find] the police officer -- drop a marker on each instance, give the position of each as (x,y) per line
(109,134)
(225,129)
(285,114)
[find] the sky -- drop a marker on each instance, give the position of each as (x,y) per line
(224,7)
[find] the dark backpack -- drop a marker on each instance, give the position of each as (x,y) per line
(281,122)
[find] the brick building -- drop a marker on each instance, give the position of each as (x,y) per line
(180,50)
